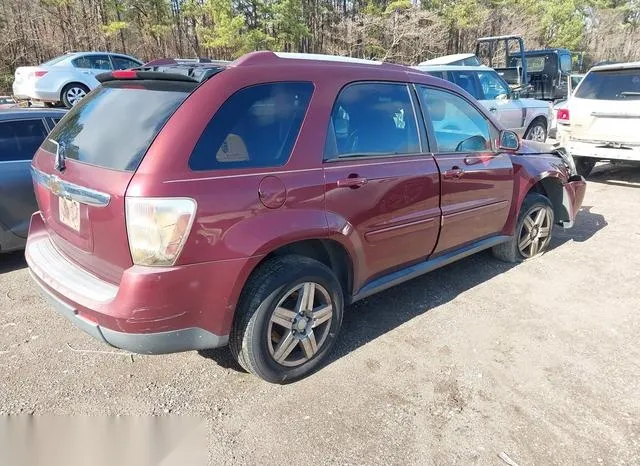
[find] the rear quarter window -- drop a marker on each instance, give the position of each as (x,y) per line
(256,127)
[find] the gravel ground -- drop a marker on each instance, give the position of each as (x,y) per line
(540,361)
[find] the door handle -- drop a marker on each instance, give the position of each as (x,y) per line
(455,173)
(493,109)
(352,182)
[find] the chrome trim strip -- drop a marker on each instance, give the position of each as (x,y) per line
(70,190)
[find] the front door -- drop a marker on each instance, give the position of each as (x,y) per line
(477,181)
(382,188)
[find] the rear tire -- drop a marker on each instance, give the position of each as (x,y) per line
(584,165)
(532,233)
(287,345)
(537,131)
(72,94)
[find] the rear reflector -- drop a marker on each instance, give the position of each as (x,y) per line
(563,114)
(124,74)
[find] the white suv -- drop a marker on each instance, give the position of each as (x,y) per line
(601,120)
(67,78)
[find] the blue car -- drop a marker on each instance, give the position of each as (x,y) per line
(21,133)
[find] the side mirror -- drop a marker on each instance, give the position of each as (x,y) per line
(515,95)
(509,141)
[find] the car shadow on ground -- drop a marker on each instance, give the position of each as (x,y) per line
(619,174)
(11,261)
(373,317)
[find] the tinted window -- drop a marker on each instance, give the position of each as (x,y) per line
(6,100)
(492,85)
(610,85)
(122,63)
(457,125)
(95,62)
(19,140)
(372,119)
(256,127)
(467,81)
(115,125)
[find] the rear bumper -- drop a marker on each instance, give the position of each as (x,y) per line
(145,343)
(596,151)
(152,310)
(30,91)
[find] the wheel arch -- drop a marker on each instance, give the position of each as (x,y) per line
(539,117)
(70,82)
(552,188)
(327,251)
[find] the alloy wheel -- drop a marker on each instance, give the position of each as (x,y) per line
(537,133)
(75,95)
(535,233)
(299,324)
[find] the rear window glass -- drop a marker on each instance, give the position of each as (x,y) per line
(610,85)
(256,127)
(114,125)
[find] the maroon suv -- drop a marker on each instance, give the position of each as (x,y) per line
(187,206)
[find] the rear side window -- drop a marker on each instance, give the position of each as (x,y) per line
(610,85)
(467,81)
(122,63)
(114,126)
(370,119)
(94,62)
(256,127)
(457,125)
(437,74)
(20,139)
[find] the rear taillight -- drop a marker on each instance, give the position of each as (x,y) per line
(563,115)
(158,228)
(38,74)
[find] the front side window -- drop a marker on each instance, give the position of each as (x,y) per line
(20,139)
(93,62)
(456,124)
(467,81)
(492,86)
(256,127)
(371,119)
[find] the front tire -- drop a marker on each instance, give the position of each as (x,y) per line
(533,231)
(584,165)
(288,318)
(73,93)
(537,131)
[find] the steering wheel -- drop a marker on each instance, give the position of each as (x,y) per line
(474,143)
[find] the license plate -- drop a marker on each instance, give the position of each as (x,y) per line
(69,213)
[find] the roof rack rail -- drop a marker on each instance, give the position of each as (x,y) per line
(266,57)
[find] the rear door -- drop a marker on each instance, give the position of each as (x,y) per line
(606,107)
(19,141)
(101,142)
(381,181)
(496,97)
(476,180)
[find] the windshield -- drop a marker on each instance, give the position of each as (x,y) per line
(114,125)
(610,85)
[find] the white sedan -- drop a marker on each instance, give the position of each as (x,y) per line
(68,78)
